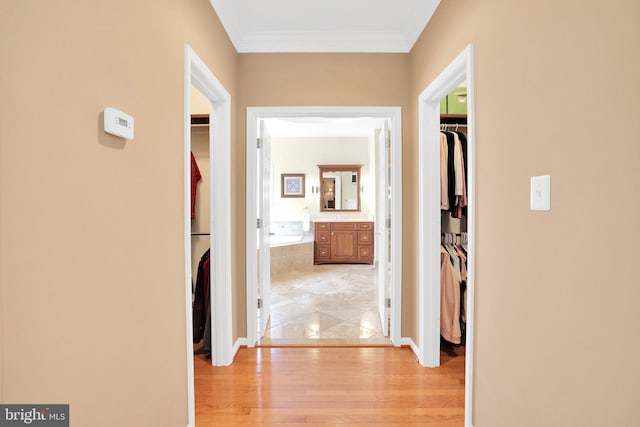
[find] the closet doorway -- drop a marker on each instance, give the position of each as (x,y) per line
(458,71)
(199,78)
(258,286)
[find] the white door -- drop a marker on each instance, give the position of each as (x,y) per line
(383,225)
(264,230)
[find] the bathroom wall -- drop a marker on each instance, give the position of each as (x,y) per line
(303,155)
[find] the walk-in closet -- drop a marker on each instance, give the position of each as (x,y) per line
(201,234)
(453,217)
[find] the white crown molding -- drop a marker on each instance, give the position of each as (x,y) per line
(318,41)
(371,28)
(227,14)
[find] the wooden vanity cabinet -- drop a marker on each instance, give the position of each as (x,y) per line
(344,243)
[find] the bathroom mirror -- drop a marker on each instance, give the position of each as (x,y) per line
(339,188)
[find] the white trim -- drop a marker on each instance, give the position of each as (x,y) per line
(393,40)
(191,406)
(251,264)
(321,41)
(199,76)
(460,69)
(411,343)
(396,229)
(394,114)
(239,343)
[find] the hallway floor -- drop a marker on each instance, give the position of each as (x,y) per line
(335,304)
(331,386)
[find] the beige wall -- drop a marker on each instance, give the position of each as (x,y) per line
(557,92)
(91,254)
(199,103)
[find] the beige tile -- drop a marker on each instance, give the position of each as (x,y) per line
(330,305)
(348,330)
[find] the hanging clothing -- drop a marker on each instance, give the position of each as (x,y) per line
(457,165)
(453,176)
(463,142)
(461,179)
(195,177)
(444,179)
(201,301)
(451,171)
(449,300)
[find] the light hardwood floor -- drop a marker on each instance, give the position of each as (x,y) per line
(326,386)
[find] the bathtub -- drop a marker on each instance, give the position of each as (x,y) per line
(291,254)
(285,240)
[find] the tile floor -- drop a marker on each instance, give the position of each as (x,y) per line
(334,304)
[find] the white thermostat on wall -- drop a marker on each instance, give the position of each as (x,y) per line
(118,123)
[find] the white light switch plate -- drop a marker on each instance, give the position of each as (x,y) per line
(541,193)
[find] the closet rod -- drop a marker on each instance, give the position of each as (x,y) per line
(200,126)
(453,124)
(201,234)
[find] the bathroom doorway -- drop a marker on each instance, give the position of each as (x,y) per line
(383,137)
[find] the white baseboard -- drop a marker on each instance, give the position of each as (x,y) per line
(414,347)
(239,343)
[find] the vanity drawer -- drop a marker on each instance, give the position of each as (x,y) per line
(323,252)
(344,225)
(365,253)
(365,237)
(320,226)
(323,236)
(365,226)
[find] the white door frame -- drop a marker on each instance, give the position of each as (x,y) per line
(382,235)
(197,74)
(394,115)
(459,70)
(265,174)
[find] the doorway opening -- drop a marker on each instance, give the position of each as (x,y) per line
(308,212)
(198,78)
(431,216)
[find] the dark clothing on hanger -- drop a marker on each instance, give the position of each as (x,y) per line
(451,171)
(463,142)
(195,177)
(201,299)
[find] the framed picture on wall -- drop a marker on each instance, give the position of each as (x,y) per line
(292,185)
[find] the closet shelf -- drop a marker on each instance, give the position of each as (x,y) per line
(198,120)
(453,118)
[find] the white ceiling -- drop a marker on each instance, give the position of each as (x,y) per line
(324,25)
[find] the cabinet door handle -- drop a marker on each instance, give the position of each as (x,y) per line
(333,233)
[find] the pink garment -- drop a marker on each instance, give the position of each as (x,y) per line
(461,200)
(449,300)
(463,262)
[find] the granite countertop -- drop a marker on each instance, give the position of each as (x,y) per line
(342,220)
